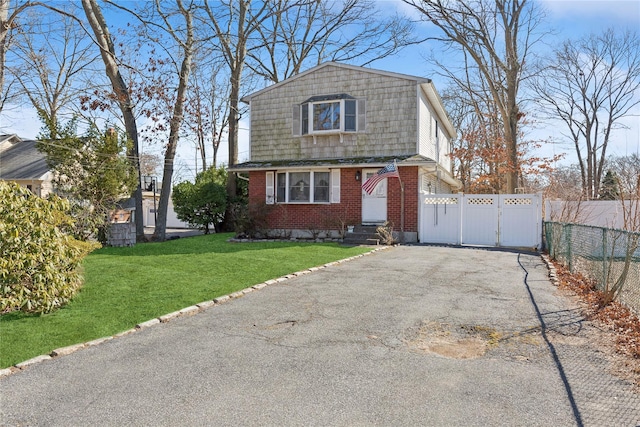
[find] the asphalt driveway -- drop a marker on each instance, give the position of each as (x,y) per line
(411,335)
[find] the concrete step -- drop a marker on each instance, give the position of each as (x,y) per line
(363,235)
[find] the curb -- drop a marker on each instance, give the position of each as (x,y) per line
(553,274)
(191,310)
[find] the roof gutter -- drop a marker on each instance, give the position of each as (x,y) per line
(445,176)
(367,165)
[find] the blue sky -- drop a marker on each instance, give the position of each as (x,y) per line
(569,19)
(578,18)
(565,19)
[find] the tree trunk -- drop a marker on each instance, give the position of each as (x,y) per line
(107,51)
(474,27)
(233,128)
(5,25)
(174,133)
(159,233)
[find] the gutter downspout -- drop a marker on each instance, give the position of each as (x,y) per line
(445,177)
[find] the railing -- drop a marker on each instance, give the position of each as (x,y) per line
(607,256)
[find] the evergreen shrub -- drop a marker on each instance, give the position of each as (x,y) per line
(40,264)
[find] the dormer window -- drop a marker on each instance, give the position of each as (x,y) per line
(329,114)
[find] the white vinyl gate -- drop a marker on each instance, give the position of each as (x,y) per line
(507,220)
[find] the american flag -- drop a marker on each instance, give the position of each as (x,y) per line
(386,172)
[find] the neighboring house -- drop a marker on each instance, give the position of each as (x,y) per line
(21,162)
(149,207)
(317,136)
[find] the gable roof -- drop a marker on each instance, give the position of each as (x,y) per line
(425,83)
(8,140)
(20,159)
(247,98)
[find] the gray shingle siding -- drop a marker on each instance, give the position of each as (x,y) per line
(391,116)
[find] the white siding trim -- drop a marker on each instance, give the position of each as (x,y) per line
(419,120)
(361,125)
(335,186)
(270,188)
(426,145)
(295,126)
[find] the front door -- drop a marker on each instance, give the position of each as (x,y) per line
(374,205)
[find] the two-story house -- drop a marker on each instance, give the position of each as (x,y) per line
(317,136)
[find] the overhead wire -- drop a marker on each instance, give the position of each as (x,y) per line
(82,161)
(85,162)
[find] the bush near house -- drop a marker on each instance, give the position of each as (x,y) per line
(39,262)
(91,170)
(201,204)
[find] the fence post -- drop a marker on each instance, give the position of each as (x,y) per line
(604,256)
(569,255)
(545,239)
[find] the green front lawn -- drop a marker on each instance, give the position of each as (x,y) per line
(127,286)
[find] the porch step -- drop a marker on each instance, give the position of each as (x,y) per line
(362,235)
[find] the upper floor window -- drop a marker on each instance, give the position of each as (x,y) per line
(329,114)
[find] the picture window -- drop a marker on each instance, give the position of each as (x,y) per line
(326,115)
(303,187)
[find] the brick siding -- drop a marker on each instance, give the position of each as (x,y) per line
(349,210)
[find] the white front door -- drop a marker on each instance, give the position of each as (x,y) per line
(374,205)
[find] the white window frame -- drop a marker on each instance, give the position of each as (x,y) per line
(333,186)
(310,117)
(270,188)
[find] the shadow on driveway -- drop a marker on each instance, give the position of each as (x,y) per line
(411,335)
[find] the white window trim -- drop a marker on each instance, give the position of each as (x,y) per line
(358,104)
(270,188)
(332,187)
(313,131)
(334,184)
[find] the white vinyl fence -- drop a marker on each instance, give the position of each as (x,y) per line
(505,220)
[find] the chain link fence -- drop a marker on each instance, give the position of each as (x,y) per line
(607,256)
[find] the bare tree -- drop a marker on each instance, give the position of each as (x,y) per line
(107,51)
(480,153)
(236,25)
(52,70)
(498,36)
(590,85)
(563,183)
(207,106)
(8,23)
(184,38)
(200,121)
(314,32)
(170,28)
(627,171)
(149,164)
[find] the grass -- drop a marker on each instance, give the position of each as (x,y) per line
(127,286)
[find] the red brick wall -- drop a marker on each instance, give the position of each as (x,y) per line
(409,176)
(326,216)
